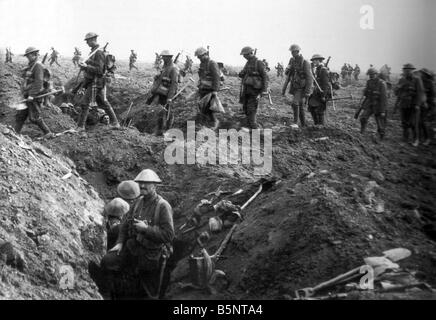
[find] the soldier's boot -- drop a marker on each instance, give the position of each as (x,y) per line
(321,118)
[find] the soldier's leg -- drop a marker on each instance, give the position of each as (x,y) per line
(252,104)
(425,132)
(404,123)
(101,94)
(35,116)
(364,119)
(84,105)
(380,121)
(414,123)
(295,106)
(20,119)
(312,111)
(321,115)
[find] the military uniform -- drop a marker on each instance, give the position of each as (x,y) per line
(209,81)
(54,57)
(132,60)
(255,81)
(300,77)
(279,69)
(318,100)
(76,57)
(164,88)
(410,93)
(375,102)
(94,79)
(356,72)
(33,86)
(142,252)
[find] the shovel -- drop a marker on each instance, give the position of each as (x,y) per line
(21,106)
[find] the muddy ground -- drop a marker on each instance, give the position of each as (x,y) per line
(338,199)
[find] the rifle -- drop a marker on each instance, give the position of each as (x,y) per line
(362,103)
(45,58)
(327,63)
(177,58)
(175,96)
(105,46)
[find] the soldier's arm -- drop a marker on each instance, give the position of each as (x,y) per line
(164,231)
(38,80)
(243,72)
(263,75)
(215,72)
(96,65)
(174,75)
(308,76)
(420,93)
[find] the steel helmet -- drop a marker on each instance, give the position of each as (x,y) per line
(90,35)
(129,190)
(317,57)
(409,66)
(215,224)
(247,50)
(372,71)
(295,47)
(117,207)
(30,50)
(148,175)
(165,53)
(200,51)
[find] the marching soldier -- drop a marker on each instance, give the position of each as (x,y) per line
(188,65)
(410,96)
(267,68)
(164,88)
(254,85)
(375,102)
(157,62)
(318,99)
(54,57)
(279,68)
(356,72)
(145,239)
(299,75)
(132,59)
(32,86)
(344,71)
(209,85)
(94,83)
(428,106)
(77,55)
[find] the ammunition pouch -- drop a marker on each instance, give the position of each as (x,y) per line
(161,90)
(205,84)
(254,80)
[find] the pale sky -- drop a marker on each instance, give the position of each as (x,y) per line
(404,30)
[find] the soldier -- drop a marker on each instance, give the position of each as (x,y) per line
(9,55)
(410,96)
(267,68)
(344,71)
(280,70)
(32,86)
(254,85)
(318,99)
(349,71)
(356,72)
(114,212)
(299,74)
(157,62)
(54,57)
(77,55)
(94,83)
(385,71)
(164,88)
(188,65)
(375,102)
(209,85)
(428,107)
(132,60)
(145,239)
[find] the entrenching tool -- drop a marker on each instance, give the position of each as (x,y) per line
(168,108)
(309,292)
(21,106)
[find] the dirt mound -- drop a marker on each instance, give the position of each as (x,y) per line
(49,223)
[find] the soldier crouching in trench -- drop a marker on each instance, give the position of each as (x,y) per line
(144,243)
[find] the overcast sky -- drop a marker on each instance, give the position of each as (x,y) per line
(404,30)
